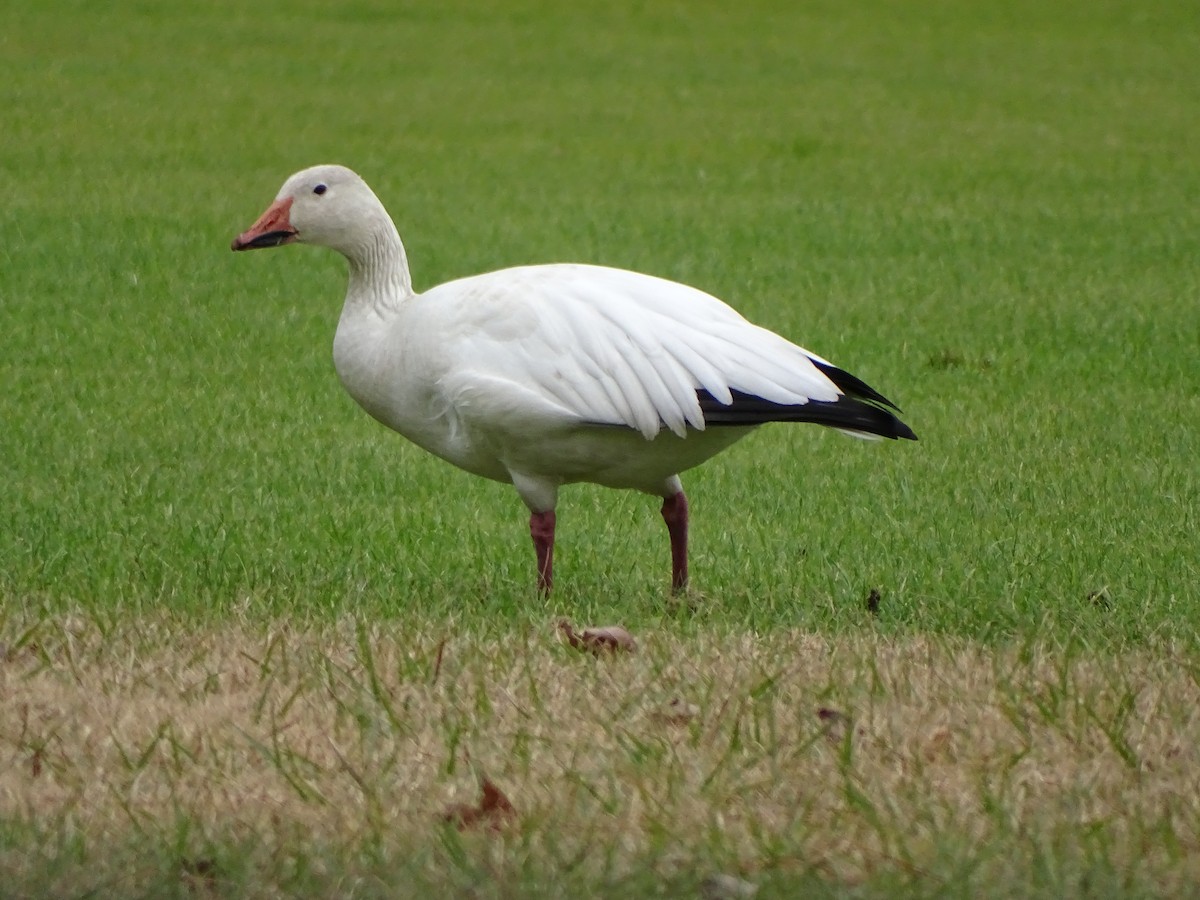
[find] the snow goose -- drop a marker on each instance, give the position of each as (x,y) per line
(540,376)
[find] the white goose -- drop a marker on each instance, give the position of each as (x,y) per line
(541,376)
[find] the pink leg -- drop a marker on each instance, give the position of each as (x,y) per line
(541,529)
(675,514)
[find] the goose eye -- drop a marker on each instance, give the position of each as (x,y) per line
(320,189)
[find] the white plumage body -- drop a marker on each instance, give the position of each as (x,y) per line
(564,373)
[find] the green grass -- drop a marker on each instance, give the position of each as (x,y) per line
(987,212)
(984,214)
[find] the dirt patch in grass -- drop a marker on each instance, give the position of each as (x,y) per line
(330,760)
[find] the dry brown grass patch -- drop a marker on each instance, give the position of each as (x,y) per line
(853,760)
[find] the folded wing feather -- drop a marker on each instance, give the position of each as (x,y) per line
(611,347)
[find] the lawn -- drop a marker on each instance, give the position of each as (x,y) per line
(986,212)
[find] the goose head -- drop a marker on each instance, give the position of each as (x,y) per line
(328,206)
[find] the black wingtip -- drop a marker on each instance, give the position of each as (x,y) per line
(860,409)
(854,386)
(847,413)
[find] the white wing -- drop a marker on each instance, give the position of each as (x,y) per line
(576,343)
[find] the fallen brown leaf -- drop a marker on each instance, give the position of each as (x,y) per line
(493,811)
(608,637)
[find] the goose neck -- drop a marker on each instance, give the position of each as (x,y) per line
(379,275)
